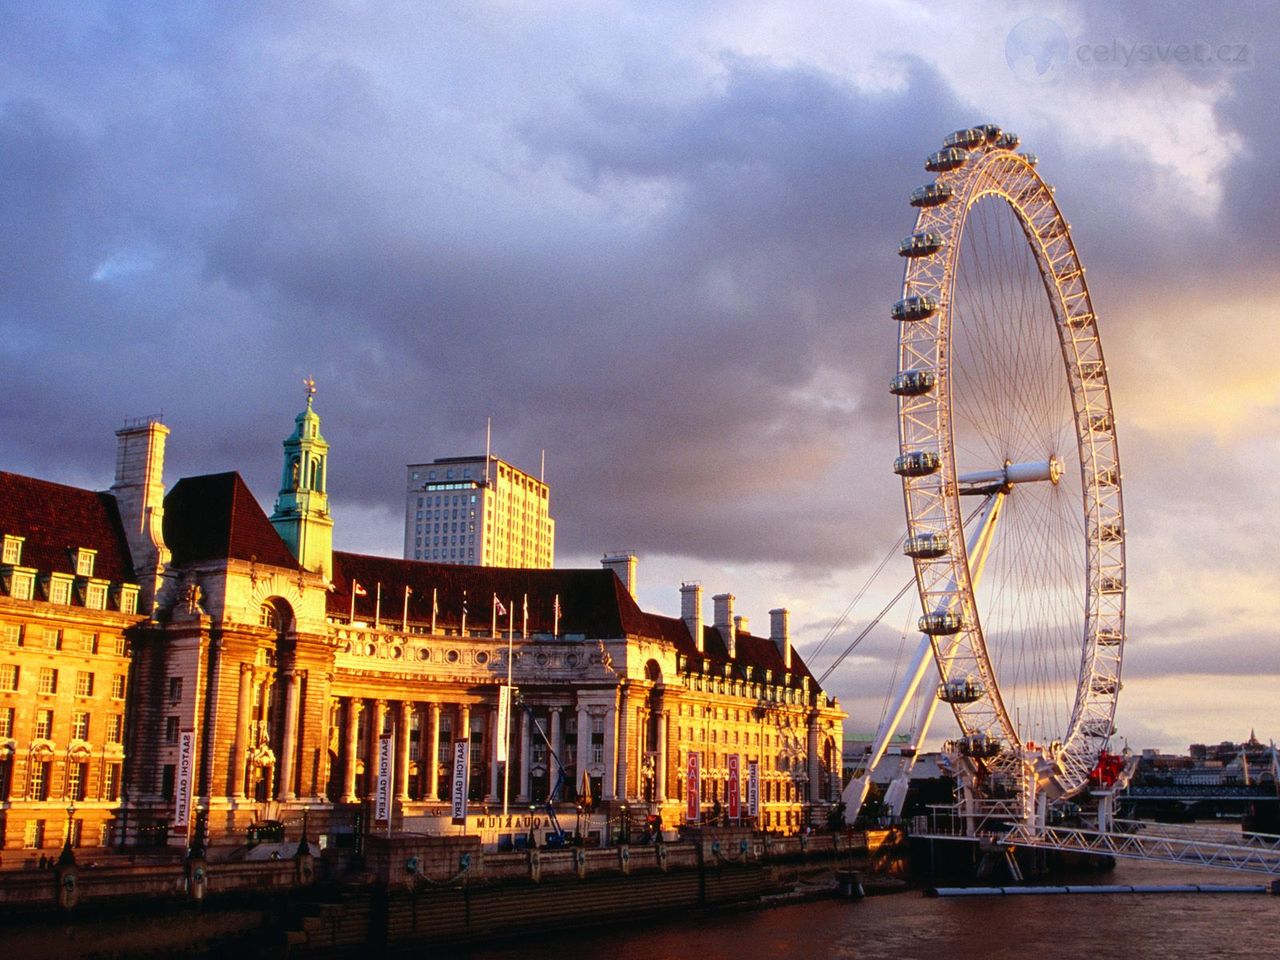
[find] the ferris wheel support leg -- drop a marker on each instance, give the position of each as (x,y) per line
(855,794)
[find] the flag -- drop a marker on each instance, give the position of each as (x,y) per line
(404,616)
(358,590)
(498,607)
(584,791)
(524,625)
(555,626)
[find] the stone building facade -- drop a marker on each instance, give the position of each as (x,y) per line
(259,670)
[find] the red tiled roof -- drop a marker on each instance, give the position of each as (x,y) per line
(215,517)
(56,519)
(592,602)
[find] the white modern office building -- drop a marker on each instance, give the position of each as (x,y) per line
(478,511)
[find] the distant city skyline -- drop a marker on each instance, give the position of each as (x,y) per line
(659,240)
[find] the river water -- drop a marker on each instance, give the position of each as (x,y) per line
(907,926)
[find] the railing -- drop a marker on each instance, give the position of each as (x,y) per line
(1236,855)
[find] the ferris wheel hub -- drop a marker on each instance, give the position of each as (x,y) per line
(1011,474)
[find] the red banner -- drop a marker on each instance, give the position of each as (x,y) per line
(693,788)
(735,788)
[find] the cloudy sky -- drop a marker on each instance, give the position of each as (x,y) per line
(656,240)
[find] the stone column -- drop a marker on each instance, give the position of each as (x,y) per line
(815,765)
(584,743)
(623,748)
(289,742)
(660,761)
(556,735)
(610,788)
(526,755)
(432,753)
(240,758)
(353,748)
(402,751)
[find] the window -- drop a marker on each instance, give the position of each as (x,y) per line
(175,688)
(38,781)
(48,680)
(95,596)
(6,778)
(119,646)
(88,643)
(111,789)
(170,729)
(597,753)
(129,598)
(8,676)
(11,635)
(22,586)
(84,562)
(84,683)
(52,639)
(59,590)
(80,725)
(167,777)
(115,728)
(77,780)
(33,835)
(6,721)
(117,686)
(44,724)
(12,552)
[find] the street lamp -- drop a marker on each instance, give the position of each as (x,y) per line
(68,857)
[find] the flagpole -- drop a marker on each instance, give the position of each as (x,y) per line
(433,611)
(377,608)
(555,629)
(464,613)
(404,617)
(524,625)
(352,618)
(493,630)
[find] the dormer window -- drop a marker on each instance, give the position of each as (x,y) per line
(58,588)
(84,562)
(22,584)
(128,601)
(11,553)
(95,595)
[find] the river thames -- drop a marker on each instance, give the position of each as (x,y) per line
(906,926)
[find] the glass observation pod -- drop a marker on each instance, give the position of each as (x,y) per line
(1008,141)
(967,690)
(1108,637)
(945,160)
(940,624)
(917,463)
(991,131)
(931,195)
(1097,728)
(1107,478)
(1092,369)
(926,546)
(1080,320)
(1031,158)
(1104,685)
(923,244)
(1111,585)
(1110,533)
(1100,423)
(914,308)
(966,138)
(978,746)
(912,383)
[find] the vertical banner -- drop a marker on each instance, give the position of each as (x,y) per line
(753,788)
(461,770)
(735,787)
(185,774)
(382,797)
(504,720)
(693,788)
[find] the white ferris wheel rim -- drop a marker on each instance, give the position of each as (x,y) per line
(990,168)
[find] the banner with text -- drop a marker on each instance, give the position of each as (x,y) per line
(458,789)
(382,797)
(735,787)
(186,772)
(504,721)
(753,788)
(693,788)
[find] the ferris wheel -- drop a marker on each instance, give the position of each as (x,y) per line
(1009,467)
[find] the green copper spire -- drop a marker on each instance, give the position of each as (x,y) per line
(302,509)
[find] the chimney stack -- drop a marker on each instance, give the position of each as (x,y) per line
(624,565)
(780,634)
(742,624)
(724,622)
(691,611)
(139,493)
